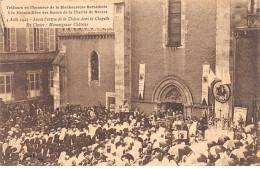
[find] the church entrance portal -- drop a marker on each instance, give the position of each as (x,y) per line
(172,94)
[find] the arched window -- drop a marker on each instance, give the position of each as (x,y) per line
(94,67)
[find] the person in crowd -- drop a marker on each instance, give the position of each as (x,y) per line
(202,127)
(136,113)
(160,114)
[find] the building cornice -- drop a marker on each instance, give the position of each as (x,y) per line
(86,33)
(88,36)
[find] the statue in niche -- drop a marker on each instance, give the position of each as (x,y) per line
(173,96)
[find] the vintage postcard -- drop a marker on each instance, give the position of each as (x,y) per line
(129,82)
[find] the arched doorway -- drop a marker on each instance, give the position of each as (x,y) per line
(171,93)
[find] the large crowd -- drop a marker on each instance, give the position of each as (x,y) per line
(92,136)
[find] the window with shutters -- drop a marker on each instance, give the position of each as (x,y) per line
(30,39)
(94,66)
(46,35)
(13,42)
(52,39)
(6,86)
(36,39)
(41,39)
(34,83)
(174,23)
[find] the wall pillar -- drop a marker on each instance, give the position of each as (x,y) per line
(122,25)
(223,51)
(59,78)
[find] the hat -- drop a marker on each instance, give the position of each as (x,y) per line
(67,157)
(40,136)
(10,132)
(28,158)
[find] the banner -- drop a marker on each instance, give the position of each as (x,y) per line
(141,81)
(205,90)
(211,77)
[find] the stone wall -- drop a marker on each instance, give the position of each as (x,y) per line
(122,24)
(149,34)
(76,84)
(223,52)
